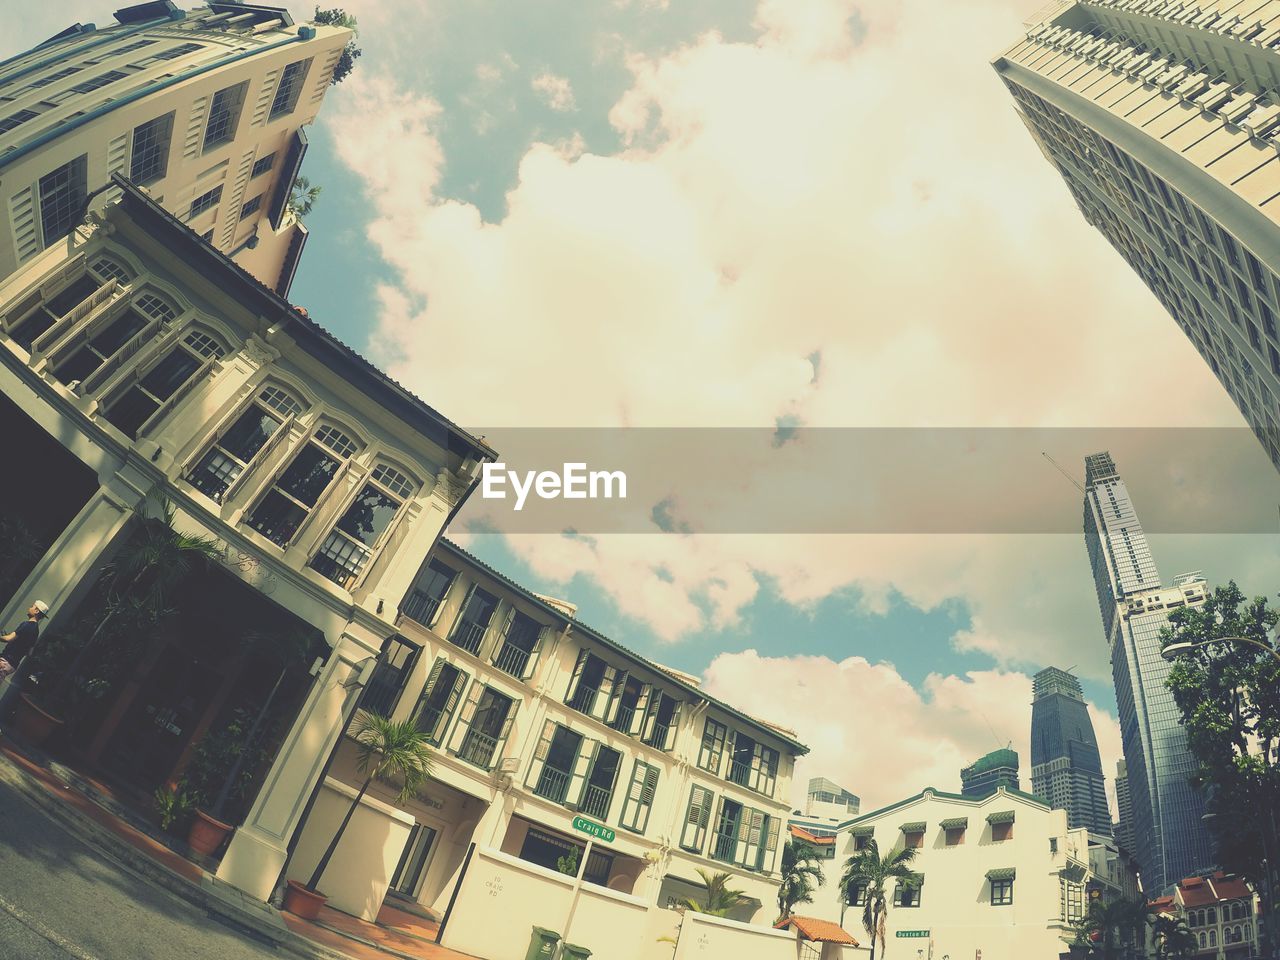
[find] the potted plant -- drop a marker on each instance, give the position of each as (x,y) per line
(173,806)
(386,749)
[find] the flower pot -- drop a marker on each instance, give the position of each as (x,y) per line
(206,833)
(302,902)
(33,724)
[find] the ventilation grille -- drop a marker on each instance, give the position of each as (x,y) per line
(195,127)
(22,215)
(237,199)
(325,75)
(117,159)
(265,98)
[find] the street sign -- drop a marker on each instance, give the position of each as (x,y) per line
(911,934)
(592,829)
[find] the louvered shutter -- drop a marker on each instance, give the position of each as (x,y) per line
(614,701)
(464,720)
(534,653)
(673,727)
(513,706)
(432,679)
(608,683)
(648,791)
(459,684)
(750,823)
(697,816)
(462,612)
(576,679)
(639,719)
(582,765)
(730,745)
(650,718)
(755,777)
(501,642)
(771,843)
(540,754)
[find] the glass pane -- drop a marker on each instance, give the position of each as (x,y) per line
(72,296)
(214,473)
(247,435)
(131,411)
(369,515)
(277,518)
(78,366)
(308,475)
(170,373)
(117,333)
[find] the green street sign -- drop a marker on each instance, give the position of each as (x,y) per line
(600,832)
(911,934)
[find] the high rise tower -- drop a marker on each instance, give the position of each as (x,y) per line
(984,776)
(1124,810)
(1170,841)
(1066,769)
(1163,121)
(203,108)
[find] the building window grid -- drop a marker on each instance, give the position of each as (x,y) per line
(63,194)
(342,556)
(149,159)
(280,513)
(107,269)
(206,201)
(224,116)
(251,207)
(262,165)
(287,91)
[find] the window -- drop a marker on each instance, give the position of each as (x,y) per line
(473,622)
(712,749)
(1001,831)
(906,893)
(52,77)
(751,764)
(262,165)
(291,498)
(743,835)
(861,841)
(639,801)
(252,207)
(858,893)
(290,86)
(486,721)
(591,686)
(913,839)
(15,120)
(625,712)
(345,553)
(171,53)
(661,722)
(518,646)
(108,269)
(1001,892)
(150,154)
(394,666)
(955,836)
(138,404)
(100,346)
(46,314)
(428,593)
(231,453)
(98,82)
(697,817)
(206,201)
(439,699)
(554,762)
(224,115)
(597,793)
(64,193)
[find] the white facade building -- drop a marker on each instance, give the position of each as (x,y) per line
(203,108)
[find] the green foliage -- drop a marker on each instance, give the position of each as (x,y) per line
(228,751)
(20,549)
(720,899)
(568,865)
(174,806)
(397,750)
(871,872)
(801,875)
(302,197)
(1107,928)
(1172,938)
(338,17)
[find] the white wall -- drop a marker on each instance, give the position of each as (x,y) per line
(713,938)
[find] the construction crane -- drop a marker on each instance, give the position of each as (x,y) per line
(1074,482)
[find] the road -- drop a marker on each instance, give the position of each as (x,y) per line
(60,899)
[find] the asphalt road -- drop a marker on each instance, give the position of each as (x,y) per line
(61,899)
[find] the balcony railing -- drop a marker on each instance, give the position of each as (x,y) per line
(421,607)
(622,722)
(469,635)
(512,660)
(427,719)
(583,698)
(595,802)
(552,784)
(658,736)
(384,689)
(724,846)
(478,749)
(740,773)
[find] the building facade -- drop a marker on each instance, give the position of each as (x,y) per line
(986,774)
(1124,809)
(1170,839)
(1220,911)
(205,109)
(1066,768)
(1002,876)
(826,798)
(1161,119)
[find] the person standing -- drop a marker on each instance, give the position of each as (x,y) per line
(19,642)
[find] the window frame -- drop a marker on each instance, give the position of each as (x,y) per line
(341,459)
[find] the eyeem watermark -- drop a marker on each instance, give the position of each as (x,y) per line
(574,482)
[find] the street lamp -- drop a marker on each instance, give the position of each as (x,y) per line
(1175,650)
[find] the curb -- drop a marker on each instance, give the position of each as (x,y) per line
(85,829)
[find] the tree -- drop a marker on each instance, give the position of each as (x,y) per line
(337,17)
(303,197)
(801,875)
(1228,693)
(866,872)
(387,750)
(1173,940)
(1106,928)
(720,899)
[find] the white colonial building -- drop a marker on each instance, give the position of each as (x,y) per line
(204,108)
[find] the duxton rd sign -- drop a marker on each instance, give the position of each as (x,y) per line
(912,934)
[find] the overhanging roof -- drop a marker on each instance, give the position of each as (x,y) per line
(817,931)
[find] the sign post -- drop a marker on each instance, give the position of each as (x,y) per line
(594,831)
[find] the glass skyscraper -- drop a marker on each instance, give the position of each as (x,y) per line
(984,776)
(1170,840)
(1066,769)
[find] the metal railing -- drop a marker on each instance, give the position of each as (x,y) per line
(427,720)
(622,722)
(583,698)
(740,773)
(421,607)
(468,635)
(511,659)
(478,749)
(553,784)
(724,847)
(595,801)
(658,735)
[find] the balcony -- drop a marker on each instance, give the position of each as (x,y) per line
(512,660)
(421,607)
(659,735)
(478,749)
(468,635)
(740,773)
(723,847)
(622,722)
(583,698)
(595,802)
(553,784)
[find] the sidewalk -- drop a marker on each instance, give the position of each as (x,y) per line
(85,809)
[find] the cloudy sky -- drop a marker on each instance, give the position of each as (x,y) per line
(819,212)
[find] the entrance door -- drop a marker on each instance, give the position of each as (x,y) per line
(413,862)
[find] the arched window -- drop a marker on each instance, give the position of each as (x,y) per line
(155,386)
(107,269)
(123,335)
(157,306)
(1203,942)
(298,488)
(1213,916)
(1213,938)
(349,545)
(231,452)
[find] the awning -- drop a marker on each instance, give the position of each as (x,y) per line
(1002,873)
(1074,871)
(915,826)
(817,931)
(1000,816)
(955,823)
(863,831)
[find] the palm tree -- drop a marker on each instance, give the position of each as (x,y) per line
(801,875)
(1107,927)
(387,749)
(720,899)
(868,872)
(1173,940)
(303,197)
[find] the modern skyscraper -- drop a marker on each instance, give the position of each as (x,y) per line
(826,798)
(1162,120)
(982,777)
(1170,840)
(203,108)
(1124,810)
(1066,769)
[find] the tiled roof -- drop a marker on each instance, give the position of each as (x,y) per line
(802,834)
(819,931)
(1203,891)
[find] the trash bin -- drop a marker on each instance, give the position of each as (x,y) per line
(542,945)
(574,952)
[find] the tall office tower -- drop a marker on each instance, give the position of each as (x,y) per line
(203,108)
(1164,121)
(826,798)
(982,777)
(1124,810)
(1170,840)
(1066,769)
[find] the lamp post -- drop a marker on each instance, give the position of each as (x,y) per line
(1175,650)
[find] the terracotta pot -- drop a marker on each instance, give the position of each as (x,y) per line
(302,902)
(34,725)
(206,833)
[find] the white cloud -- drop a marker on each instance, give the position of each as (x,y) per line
(555,91)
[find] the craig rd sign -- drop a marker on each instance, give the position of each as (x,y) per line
(592,829)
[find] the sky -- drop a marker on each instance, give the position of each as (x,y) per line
(658,213)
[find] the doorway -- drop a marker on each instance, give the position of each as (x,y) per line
(407,880)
